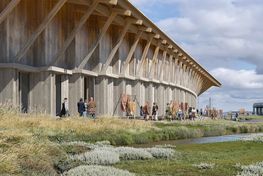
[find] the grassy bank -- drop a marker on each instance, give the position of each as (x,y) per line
(31,145)
(224,157)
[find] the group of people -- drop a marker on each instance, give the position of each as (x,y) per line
(145,111)
(85,108)
(180,113)
(173,111)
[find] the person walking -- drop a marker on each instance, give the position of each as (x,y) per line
(168,112)
(81,107)
(180,114)
(155,112)
(141,112)
(146,110)
(92,108)
(65,109)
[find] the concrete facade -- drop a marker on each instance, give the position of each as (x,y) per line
(56,49)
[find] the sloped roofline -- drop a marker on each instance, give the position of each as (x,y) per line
(149,23)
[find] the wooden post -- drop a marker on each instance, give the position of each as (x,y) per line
(71,37)
(9,8)
(95,45)
(115,49)
(40,29)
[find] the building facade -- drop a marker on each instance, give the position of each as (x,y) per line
(52,49)
(258,109)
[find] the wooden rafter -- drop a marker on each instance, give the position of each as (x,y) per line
(40,29)
(155,57)
(95,45)
(132,50)
(77,28)
(145,52)
(117,46)
(9,8)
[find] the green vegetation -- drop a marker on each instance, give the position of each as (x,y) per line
(222,156)
(32,145)
(251,117)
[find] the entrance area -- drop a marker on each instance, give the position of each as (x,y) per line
(58,94)
(89,87)
(24,90)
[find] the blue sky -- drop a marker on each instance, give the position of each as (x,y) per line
(225,36)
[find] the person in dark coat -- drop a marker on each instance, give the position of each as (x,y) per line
(81,107)
(64,110)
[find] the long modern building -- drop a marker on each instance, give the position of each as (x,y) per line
(52,49)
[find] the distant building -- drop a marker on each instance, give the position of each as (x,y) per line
(258,108)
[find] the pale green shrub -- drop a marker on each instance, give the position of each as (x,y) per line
(254,138)
(252,170)
(129,153)
(164,153)
(97,171)
(98,157)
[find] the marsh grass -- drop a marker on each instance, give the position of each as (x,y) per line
(32,144)
(223,156)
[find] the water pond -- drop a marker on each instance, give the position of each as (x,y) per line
(203,140)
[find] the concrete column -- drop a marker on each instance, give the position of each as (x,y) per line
(118,89)
(177,94)
(139,91)
(151,93)
(76,91)
(183,96)
(101,97)
(170,94)
(9,87)
(42,93)
(110,97)
(160,99)
(64,86)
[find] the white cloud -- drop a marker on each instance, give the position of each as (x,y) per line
(239,79)
(224,30)
(241,88)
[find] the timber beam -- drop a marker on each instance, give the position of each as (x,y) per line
(95,45)
(40,29)
(144,55)
(117,46)
(72,35)
(9,8)
(132,50)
